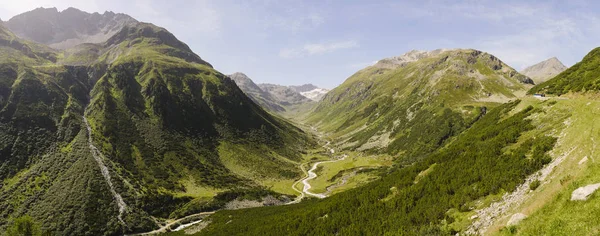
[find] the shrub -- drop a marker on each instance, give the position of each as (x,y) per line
(534,184)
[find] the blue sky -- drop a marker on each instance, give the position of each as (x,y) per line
(324,42)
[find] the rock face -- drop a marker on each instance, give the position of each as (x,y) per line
(68,28)
(544,70)
(583,193)
(516,219)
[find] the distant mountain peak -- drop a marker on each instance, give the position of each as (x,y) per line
(410,56)
(304,88)
(67,28)
(544,70)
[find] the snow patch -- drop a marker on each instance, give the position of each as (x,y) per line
(315,94)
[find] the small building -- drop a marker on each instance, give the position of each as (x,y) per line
(539,95)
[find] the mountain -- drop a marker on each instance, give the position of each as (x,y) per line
(310,91)
(388,107)
(284,94)
(581,77)
(106,138)
(303,88)
(256,93)
(68,28)
(544,70)
(469,150)
(276,98)
(316,94)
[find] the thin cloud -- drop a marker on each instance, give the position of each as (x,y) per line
(317,49)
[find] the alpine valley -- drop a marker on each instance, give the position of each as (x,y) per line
(111,126)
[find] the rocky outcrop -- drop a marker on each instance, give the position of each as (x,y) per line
(516,219)
(583,193)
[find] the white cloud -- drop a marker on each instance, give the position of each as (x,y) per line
(317,49)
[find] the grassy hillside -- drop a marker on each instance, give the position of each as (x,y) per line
(494,156)
(548,207)
(175,134)
(581,77)
(413,108)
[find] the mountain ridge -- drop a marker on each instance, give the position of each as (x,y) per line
(165,121)
(544,70)
(380,103)
(67,28)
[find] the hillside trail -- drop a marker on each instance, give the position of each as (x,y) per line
(99,157)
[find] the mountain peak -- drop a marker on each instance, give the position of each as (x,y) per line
(410,56)
(239,75)
(544,70)
(304,88)
(67,28)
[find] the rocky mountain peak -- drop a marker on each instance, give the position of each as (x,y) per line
(67,28)
(411,56)
(544,70)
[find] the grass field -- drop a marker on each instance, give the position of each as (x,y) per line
(354,162)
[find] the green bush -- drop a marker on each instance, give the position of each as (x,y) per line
(534,184)
(24,226)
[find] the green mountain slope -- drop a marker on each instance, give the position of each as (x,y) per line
(431,197)
(581,77)
(172,133)
(526,157)
(394,105)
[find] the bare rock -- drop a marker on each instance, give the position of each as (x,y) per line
(583,193)
(516,219)
(583,160)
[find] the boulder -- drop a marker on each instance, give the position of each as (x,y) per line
(516,219)
(583,193)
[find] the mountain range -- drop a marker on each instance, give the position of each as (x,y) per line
(111,126)
(278,98)
(107,122)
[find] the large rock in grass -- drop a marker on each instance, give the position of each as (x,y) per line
(583,193)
